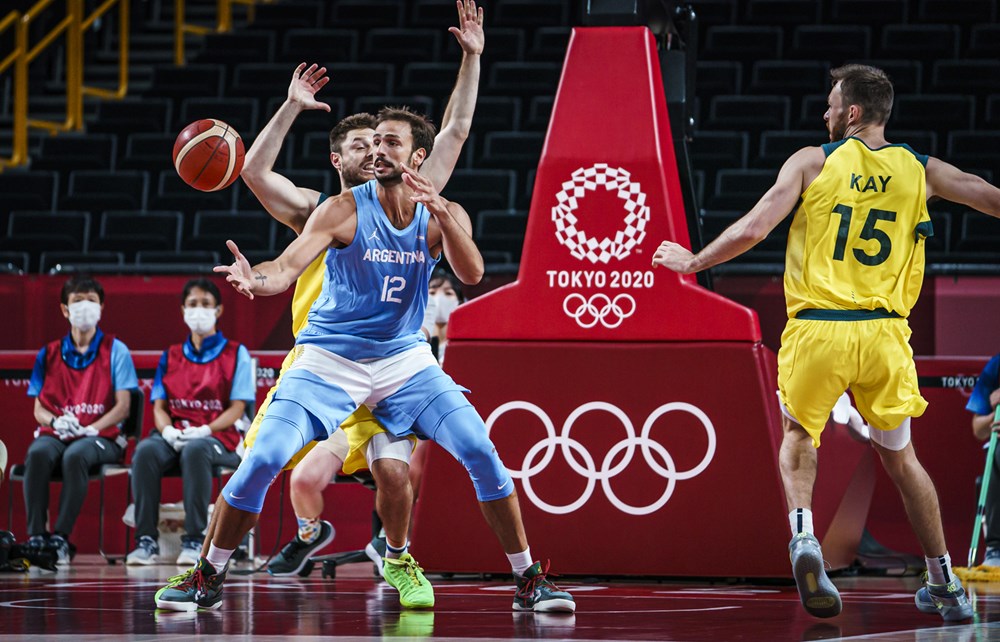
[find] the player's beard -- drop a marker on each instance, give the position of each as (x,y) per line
(838,128)
(354,175)
(394,177)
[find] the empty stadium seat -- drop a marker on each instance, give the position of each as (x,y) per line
(873,12)
(481,189)
(539,113)
(28,190)
(286,15)
(12,262)
(984,41)
(352,79)
(314,179)
(742,42)
(128,232)
(420,104)
(906,75)
(957,11)
(524,79)
(549,44)
(711,151)
(519,150)
(203,258)
(59,261)
(719,78)
(497,113)
(173,194)
(97,191)
(921,42)
(426,79)
(789,78)
(152,115)
(322,46)
(239,113)
(530,13)
(753,113)
(399,45)
(783,12)
(204,80)
(233,48)
(366,14)
(740,189)
(831,42)
(68,152)
(959,76)
(940,113)
(777,146)
(979,233)
(251,230)
(975,148)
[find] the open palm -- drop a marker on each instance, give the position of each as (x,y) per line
(469,31)
(305,83)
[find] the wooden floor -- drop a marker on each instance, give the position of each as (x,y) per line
(91,600)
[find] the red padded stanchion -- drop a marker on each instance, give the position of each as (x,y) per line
(635,409)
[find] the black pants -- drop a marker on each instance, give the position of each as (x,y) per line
(75,459)
(153,458)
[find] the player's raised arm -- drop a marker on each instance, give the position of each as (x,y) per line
(455,226)
(282,199)
(332,221)
(777,203)
(952,184)
(457,121)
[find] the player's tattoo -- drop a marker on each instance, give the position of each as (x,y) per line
(260,277)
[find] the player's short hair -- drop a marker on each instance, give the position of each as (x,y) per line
(339,132)
(81,284)
(421,128)
(868,87)
(201,284)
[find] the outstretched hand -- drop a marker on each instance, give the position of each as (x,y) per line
(239,274)
(305,83)
(469,31)
(673,257)
(424,192)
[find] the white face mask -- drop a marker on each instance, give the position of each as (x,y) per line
(84,315)
(445,306)
(200,320)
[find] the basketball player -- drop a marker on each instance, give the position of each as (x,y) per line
(385,236)
(853,271)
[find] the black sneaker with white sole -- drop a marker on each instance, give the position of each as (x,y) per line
(296,553)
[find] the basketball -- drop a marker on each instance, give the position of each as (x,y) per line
(208,155)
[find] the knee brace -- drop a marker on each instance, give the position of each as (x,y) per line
(281,435)
(452,422)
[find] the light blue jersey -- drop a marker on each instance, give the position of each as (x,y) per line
(375,289)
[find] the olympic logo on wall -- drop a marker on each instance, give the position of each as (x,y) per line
(600,308)
(541,454)
(636,214)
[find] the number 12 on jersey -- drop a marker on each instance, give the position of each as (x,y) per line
(390,286)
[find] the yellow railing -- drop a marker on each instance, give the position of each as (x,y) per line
(223,23)
(19,145)
(123,48)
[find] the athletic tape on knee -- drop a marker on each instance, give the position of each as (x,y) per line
(281,435)
(452,422)
(895,439)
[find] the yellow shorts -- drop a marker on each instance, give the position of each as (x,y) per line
(819,360)
(358,428)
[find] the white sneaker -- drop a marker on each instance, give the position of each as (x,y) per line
(190,552)
(146,552)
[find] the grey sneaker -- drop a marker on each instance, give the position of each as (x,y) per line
(818,594)
(64,551)
(296,553)
(375,550)
(992,557)
(948,599)
(147,551)
(190,552)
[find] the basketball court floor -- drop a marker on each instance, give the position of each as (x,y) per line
(92,601)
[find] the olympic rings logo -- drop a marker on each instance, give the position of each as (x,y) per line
(613,179)
(598,309)
(585,466)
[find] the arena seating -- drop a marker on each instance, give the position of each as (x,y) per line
(761,85)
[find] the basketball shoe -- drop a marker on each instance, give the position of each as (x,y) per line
(818,594)
(406,576)
(535,592)
(948,599)
(296,553)
(375,550)
(198,587)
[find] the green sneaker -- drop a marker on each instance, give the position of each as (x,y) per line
(535,592)
(197,587)
(406,576)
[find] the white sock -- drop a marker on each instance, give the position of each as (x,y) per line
(520,562)
(218,557)
(801,521)
(393,552)
(939,569)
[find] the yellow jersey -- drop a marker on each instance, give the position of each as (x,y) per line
(856,243)
(307,288)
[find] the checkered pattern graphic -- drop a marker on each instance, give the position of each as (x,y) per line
(635,210)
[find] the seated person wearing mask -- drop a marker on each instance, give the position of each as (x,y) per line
(81,387)
(201,390)
(446,294)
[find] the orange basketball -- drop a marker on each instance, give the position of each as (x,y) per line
(208,155)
